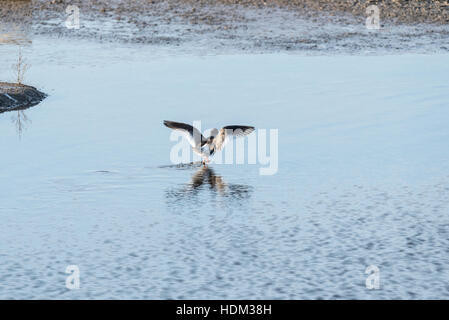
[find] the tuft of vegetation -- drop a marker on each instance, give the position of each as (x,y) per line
(20,68)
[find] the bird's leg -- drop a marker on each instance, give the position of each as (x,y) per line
(205,160)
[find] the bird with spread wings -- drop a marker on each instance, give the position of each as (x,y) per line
(218,138)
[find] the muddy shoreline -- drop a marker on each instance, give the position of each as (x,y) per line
(400,11)
(239,25)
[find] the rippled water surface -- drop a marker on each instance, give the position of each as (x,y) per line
(363,178)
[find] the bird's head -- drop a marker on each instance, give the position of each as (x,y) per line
(213,133)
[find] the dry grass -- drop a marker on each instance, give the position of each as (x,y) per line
(20,68)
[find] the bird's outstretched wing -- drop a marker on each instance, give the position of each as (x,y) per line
(193,135)
(230,131)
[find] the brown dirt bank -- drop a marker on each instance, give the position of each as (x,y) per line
(408,11)
(15,96)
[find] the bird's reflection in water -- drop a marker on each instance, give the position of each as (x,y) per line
(205,179)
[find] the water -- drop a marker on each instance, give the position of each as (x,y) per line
(362,180)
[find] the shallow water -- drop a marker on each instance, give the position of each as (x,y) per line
(363,176)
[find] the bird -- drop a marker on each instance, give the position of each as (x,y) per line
(215,142)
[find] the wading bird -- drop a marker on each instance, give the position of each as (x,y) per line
(218,138)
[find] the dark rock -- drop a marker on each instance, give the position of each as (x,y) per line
(14,96)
